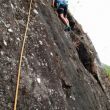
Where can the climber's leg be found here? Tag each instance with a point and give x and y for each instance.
(67, 28)
(62, 13)
(64, 20)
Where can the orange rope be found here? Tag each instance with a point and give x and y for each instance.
(21, 57)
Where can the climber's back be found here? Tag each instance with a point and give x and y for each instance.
(62, 2)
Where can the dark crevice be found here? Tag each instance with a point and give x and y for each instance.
(96, 77)
(84, 55)
(87, 61)
(1, 47)
(66, 87)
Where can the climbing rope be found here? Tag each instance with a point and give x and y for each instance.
(21, 56)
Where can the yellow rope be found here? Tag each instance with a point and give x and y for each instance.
(21, 57)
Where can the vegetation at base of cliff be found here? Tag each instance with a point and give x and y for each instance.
(107, 69)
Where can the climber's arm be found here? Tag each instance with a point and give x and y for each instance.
(53, 3)
(54, 7)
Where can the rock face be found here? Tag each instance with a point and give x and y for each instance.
(60, 70)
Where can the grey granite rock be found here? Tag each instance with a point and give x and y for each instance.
(58, 67)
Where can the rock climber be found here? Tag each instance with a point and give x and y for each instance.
(61, 7)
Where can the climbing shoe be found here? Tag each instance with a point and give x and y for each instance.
(67, 28)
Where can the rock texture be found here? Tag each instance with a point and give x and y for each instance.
(60, 70)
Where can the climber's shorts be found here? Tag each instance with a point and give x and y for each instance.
(62, 10)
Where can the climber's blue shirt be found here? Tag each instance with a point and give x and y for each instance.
(62, 2)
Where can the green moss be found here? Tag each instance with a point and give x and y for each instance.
(107, 69)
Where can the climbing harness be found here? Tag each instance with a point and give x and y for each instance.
(21, 56)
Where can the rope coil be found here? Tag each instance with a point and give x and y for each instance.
(21, 56)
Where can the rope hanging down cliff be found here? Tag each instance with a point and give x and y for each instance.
(21, 56)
